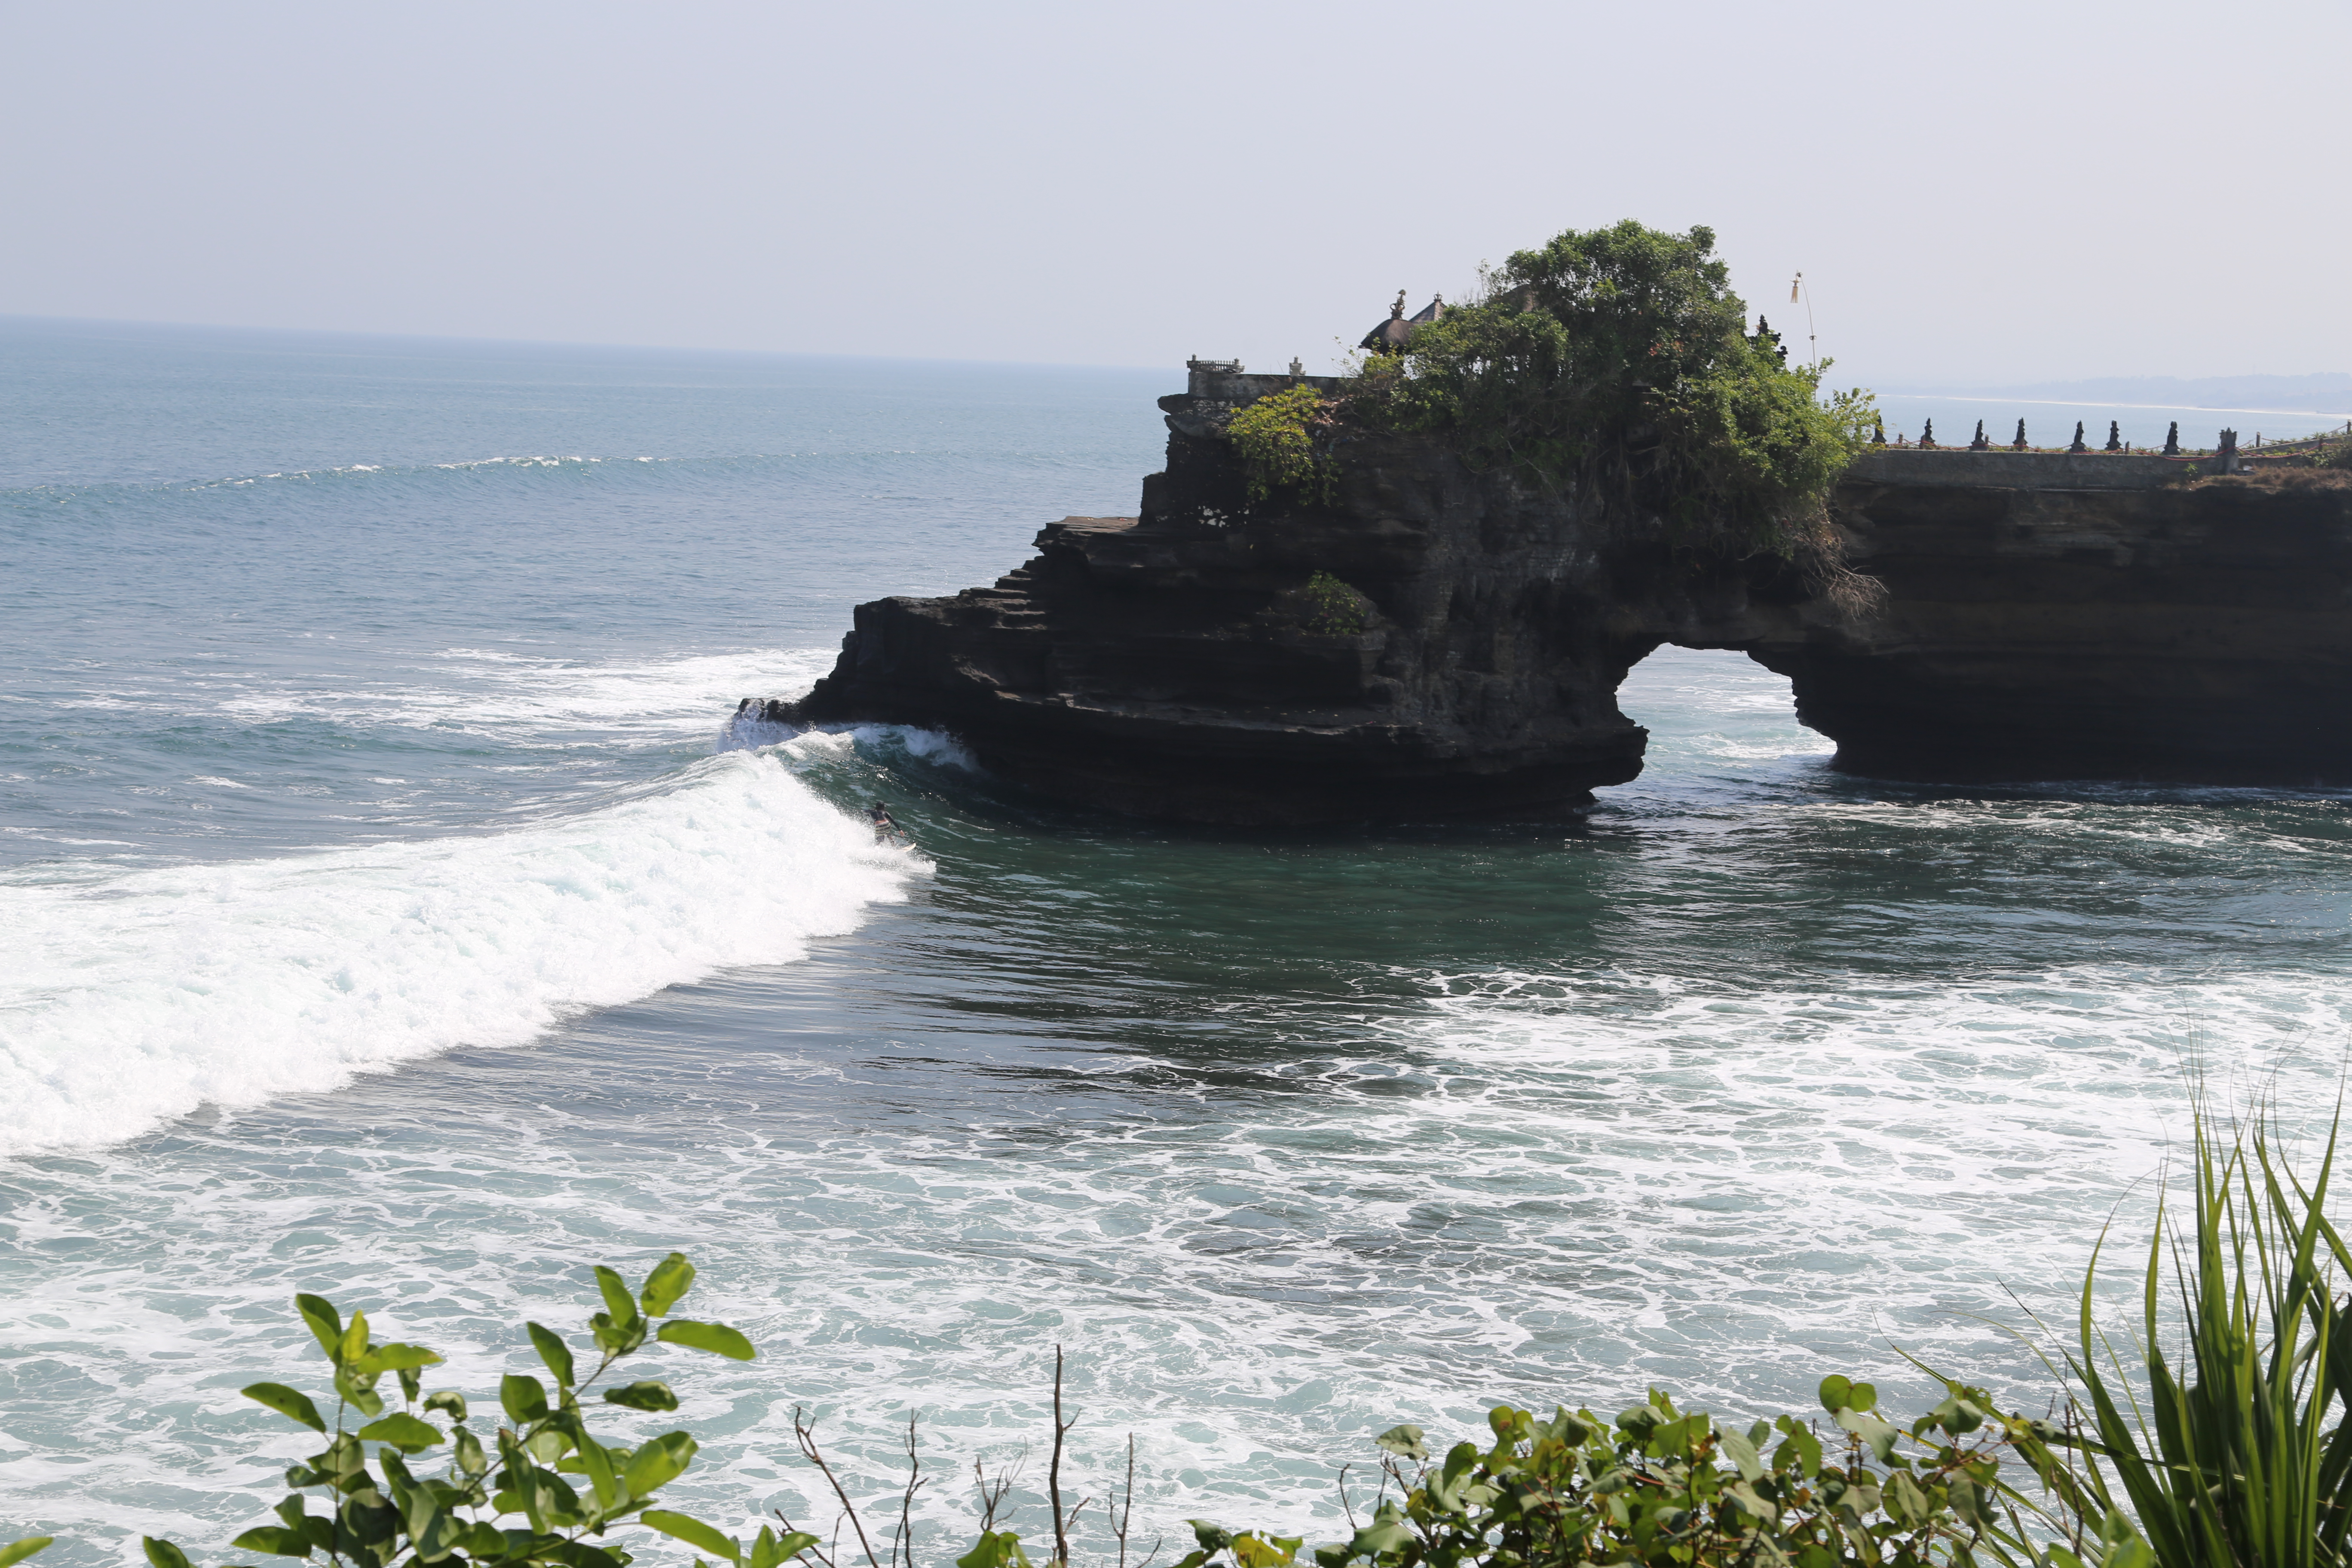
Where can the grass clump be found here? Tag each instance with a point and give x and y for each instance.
(2237, 1453)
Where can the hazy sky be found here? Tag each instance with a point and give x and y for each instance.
(1975, 192)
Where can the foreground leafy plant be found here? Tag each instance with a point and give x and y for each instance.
(1656, 1486)
(375, 1515)
(2241, 1456)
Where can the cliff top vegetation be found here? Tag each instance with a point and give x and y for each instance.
(1613, 362)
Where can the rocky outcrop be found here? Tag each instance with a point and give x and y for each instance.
(2045, 616)
(2087, 617)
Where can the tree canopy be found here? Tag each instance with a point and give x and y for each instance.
(1618, 361)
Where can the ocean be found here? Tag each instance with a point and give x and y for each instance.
(389, 909)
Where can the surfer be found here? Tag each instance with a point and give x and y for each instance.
(885, 830)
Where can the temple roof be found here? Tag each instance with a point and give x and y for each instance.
(1390, 336)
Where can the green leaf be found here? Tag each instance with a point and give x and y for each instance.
(773, 1551)
(1880, 1435)
(666, 1284)
(397, 1358)
(617, 1299)
(650, 1394)
(1743, 1454)
(659, 1462)
(525, 1398)
(995, 1549)
(693, 1532)
(437, 1532)
(405, 1433)
(554, 1353)
(596, 1463)
(162, 1553)
(484, 1540)
(16, 1552)
(716, 1337)
(1860, 1396)
(1835, 1390)
(354, 1342)
(286, 1402)
(355, 1383)
(274, 1538)
(1404, 1441)
(1751, 1503)
(326, 1324)
(1901, 1498)
(447, 1401)
(1800, 1452)
(1386, 1533)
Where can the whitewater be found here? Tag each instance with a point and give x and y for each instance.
(391, 907)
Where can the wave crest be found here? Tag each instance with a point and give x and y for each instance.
(130, 1001)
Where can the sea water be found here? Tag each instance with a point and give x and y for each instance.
(389, 909)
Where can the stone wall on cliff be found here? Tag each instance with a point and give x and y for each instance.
(2094, 624)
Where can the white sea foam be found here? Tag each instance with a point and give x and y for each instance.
(131, 1000)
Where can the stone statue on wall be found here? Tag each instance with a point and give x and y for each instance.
(2115, 436)
(2080, 444)
(1979, 444)
(2172, 440)
(1928, 437)
(2019, 445)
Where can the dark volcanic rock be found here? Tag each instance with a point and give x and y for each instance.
(2046, 617)
(2044, 625)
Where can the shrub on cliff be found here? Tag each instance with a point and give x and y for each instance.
(1617, 362)
(1325, 606)
(1280, 438)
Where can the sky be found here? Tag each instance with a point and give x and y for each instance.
(1975, 194)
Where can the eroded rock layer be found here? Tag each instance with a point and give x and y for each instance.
(2044, 617)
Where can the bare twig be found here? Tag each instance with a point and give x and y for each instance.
(992, 1493)
(1120, 1515)
(1053, 1471)
(1344, 1506)
(804, 1433)
(815, 1554)
(902, 1544)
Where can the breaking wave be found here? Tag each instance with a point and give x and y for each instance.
(128, 1000)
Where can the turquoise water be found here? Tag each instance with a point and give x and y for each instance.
(390, 911)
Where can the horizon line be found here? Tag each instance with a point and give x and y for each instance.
(451, 338)
(418, 337)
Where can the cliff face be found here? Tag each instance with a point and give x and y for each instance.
(2088, 618)
(1170, 665)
